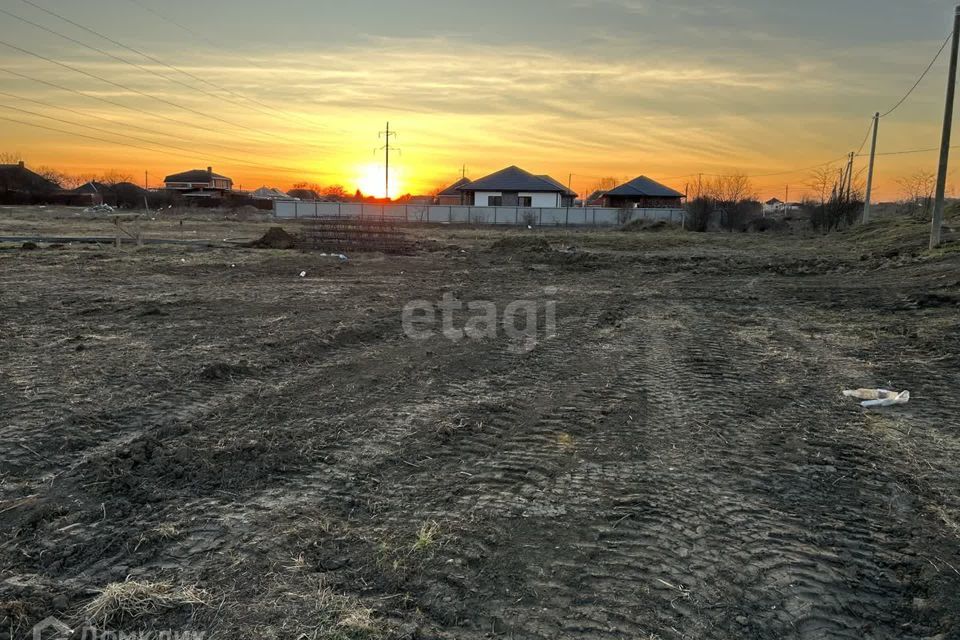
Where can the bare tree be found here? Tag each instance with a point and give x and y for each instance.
(10, 157)
(837, 198)
(59, 178)
(821, 182)
(337, 192)
(917, 191)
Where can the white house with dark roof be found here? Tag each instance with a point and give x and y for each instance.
(514, 187)
(198, 183)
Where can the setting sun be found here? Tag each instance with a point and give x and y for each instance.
(370, 180)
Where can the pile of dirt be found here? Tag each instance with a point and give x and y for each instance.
(29, 246)
(274, 238)
(527, 244)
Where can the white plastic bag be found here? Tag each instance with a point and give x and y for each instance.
(878, 397)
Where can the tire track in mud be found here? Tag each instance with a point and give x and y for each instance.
(679, 534)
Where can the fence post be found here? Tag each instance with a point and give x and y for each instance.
(406, 213)
(450, 214)
(495, 216)
(566, 219)
(540, 217)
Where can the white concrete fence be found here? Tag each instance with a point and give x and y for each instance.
(444, 214)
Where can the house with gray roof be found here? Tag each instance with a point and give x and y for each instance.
(514, 187)
(452, 194)
(198, 183)
(643, 193)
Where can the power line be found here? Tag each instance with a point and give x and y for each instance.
(115, 122)
(130, 137)
(911, 151)
(157, 61)
(195, 34)
(920, 79)
(179, 123)
(866, 137)
(132, 90)
(125, 144)
(112, 56)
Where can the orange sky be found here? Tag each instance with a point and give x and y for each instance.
(592, 104)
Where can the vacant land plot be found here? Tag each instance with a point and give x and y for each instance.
(202, 439)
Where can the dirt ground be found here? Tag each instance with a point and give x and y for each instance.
(676, 462)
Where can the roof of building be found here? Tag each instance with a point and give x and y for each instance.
(454, 189)
(596, 195)
(515, 179)
(195, 175)
(774, 201)
(304, 194)
(269, 193)
(16, 177)
(95, 186)
(644, 186)
(566, 190)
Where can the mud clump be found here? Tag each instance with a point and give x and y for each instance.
(29, 246)
(226, 371)
(274, 238)
(524, 244)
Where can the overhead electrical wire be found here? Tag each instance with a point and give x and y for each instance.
(120, 123)
(91, 96)
(920, 79)
(133, 146)
(193, 33)
(144, 140)
(132, 90)
(273, 112)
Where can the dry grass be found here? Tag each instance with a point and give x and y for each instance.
(133, 599)
(426, 536)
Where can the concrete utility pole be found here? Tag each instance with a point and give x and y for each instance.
(387, 148)
(873, 159)
(937, 225)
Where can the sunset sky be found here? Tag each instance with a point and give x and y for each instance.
(297, 90)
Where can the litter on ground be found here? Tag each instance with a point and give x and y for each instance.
(878, 397)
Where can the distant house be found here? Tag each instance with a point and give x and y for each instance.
(269, 193)
(198, 183)
(596, 199)
(16, 177)
(643, 193)
(514, 187)
(773, 205)
(452, 194)
(303, 194)
(121, 193)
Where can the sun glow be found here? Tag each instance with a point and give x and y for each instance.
(371, 181)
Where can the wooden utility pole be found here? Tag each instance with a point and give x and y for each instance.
(873, 159)
(937, 225)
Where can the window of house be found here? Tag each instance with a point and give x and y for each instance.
(494, 201)
(526, 201)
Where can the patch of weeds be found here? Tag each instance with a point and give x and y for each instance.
(427, 536)
(134, 598)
